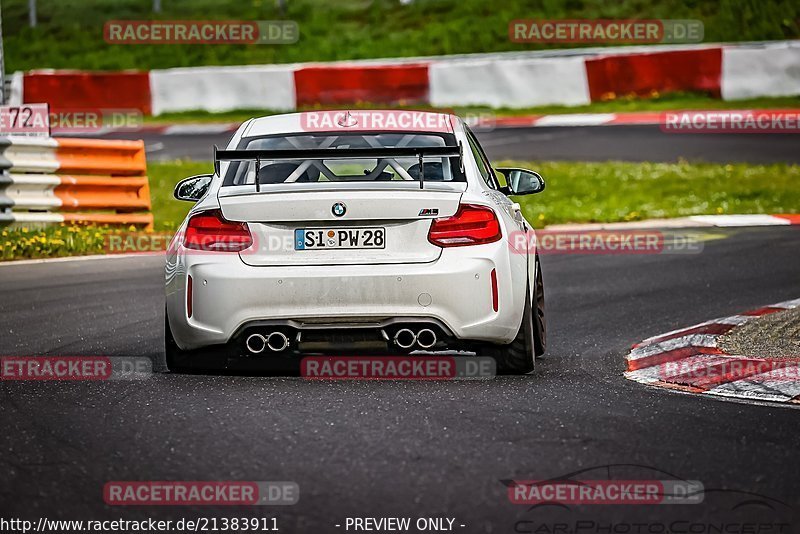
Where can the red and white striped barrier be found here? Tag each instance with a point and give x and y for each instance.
(512, 80)
(691, 360)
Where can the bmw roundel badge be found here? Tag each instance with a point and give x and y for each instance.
(339, 209)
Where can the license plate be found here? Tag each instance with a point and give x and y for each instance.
(339, 238)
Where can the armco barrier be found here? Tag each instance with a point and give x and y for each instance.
(511, 79)
(662, 72)
(509, 82)
(218, 89)
(89, 90)
(73, 180)
(388, 84)
(751, 72)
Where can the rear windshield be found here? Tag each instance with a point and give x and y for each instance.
(441, 169)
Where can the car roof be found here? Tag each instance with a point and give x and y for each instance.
(358, 120)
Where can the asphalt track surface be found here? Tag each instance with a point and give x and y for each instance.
(408, 449)
(590, 143)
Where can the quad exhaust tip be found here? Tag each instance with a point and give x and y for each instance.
(405, 338)
(277, 341)
(256, 343)
(426, 338)
(274, 341)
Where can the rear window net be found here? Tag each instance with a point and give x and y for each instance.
(353, 157)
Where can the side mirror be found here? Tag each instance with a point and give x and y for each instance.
(193, 188)
(521, 181)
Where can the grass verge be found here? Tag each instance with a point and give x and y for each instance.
(576, 192)
(621, 191)
(69, 33)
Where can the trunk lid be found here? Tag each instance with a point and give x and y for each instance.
(295, 224)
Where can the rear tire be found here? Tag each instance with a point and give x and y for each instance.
(518, 357)
(539, 321)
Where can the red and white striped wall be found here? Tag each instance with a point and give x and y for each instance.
(515, 79)
(691, 360)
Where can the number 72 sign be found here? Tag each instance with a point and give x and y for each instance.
(27, 119)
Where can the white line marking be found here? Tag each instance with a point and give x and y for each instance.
(575, 119)
(741, 220)
(198, 129)
(78, 258)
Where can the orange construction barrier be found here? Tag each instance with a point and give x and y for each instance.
(94, 156)
(110, 175)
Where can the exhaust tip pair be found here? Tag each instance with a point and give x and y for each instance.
(405, 338)
(274, 341)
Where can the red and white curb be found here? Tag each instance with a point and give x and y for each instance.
(690, 360)
(210, 128)
(695, 221)
(564, 120)
(648, 118)
(575, 119)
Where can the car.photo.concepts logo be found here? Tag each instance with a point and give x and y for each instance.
(639, 499)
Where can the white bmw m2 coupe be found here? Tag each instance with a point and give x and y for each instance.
(385, 232)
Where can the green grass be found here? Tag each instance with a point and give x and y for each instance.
(167, 211)
(593, 192)
(576, 192)
(617, 191)
(676, 101)
(26, 242)
(70, 32)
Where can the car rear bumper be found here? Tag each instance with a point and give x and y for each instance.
(456, 290)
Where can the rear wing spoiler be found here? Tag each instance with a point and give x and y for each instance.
(340, 153)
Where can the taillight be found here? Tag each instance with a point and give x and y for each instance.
(210, 231)
(471, 225)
